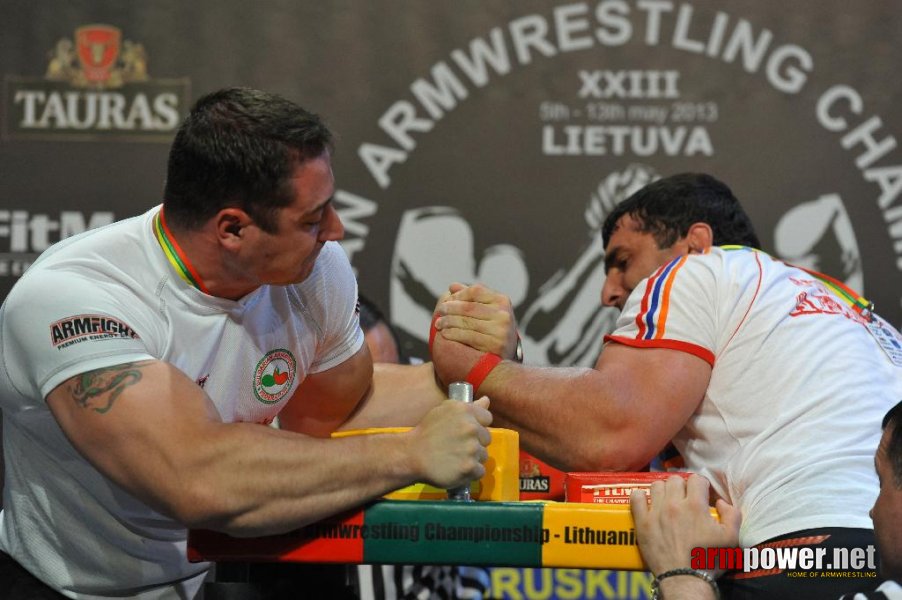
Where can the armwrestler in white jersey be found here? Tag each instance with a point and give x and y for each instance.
(142, 361)
(770, 380)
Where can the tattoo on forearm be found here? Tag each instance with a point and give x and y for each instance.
(94, 388)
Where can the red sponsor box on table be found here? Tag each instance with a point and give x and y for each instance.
(611, 487)
(539, 481)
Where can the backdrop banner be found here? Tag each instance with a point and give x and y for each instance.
(480, 140)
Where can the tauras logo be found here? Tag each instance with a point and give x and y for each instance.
(96, 86)
(42, 110)
(535, 484)
(78, 328)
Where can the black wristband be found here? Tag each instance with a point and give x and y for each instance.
(656, 583)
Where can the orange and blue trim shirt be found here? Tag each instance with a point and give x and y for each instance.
(656, 299)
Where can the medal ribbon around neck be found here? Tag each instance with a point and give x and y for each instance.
(858, 303)
(175, 254)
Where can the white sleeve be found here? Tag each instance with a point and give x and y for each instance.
(675, 308)
(56, 325)
(330, 293)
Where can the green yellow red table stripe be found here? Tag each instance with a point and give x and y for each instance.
(516, 534)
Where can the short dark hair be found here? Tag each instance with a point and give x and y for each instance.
(893, 419)
(238, 147)
(666, 208)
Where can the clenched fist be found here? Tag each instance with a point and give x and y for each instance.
(471, 320)
(448, 446)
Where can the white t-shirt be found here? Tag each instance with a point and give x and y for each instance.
(791, 418)
(110, 296)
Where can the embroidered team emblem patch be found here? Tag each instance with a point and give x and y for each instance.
(274, 375)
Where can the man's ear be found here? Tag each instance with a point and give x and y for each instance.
(700, 237)
(230, 224)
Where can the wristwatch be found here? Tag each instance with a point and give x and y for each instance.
(518, 353)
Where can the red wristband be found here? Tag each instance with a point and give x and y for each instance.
(481, 370)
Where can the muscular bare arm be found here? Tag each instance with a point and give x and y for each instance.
(358, 394)
(151, 430)
(616, 416)
(400, 395)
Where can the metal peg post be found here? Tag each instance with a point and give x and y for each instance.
(463, 392)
